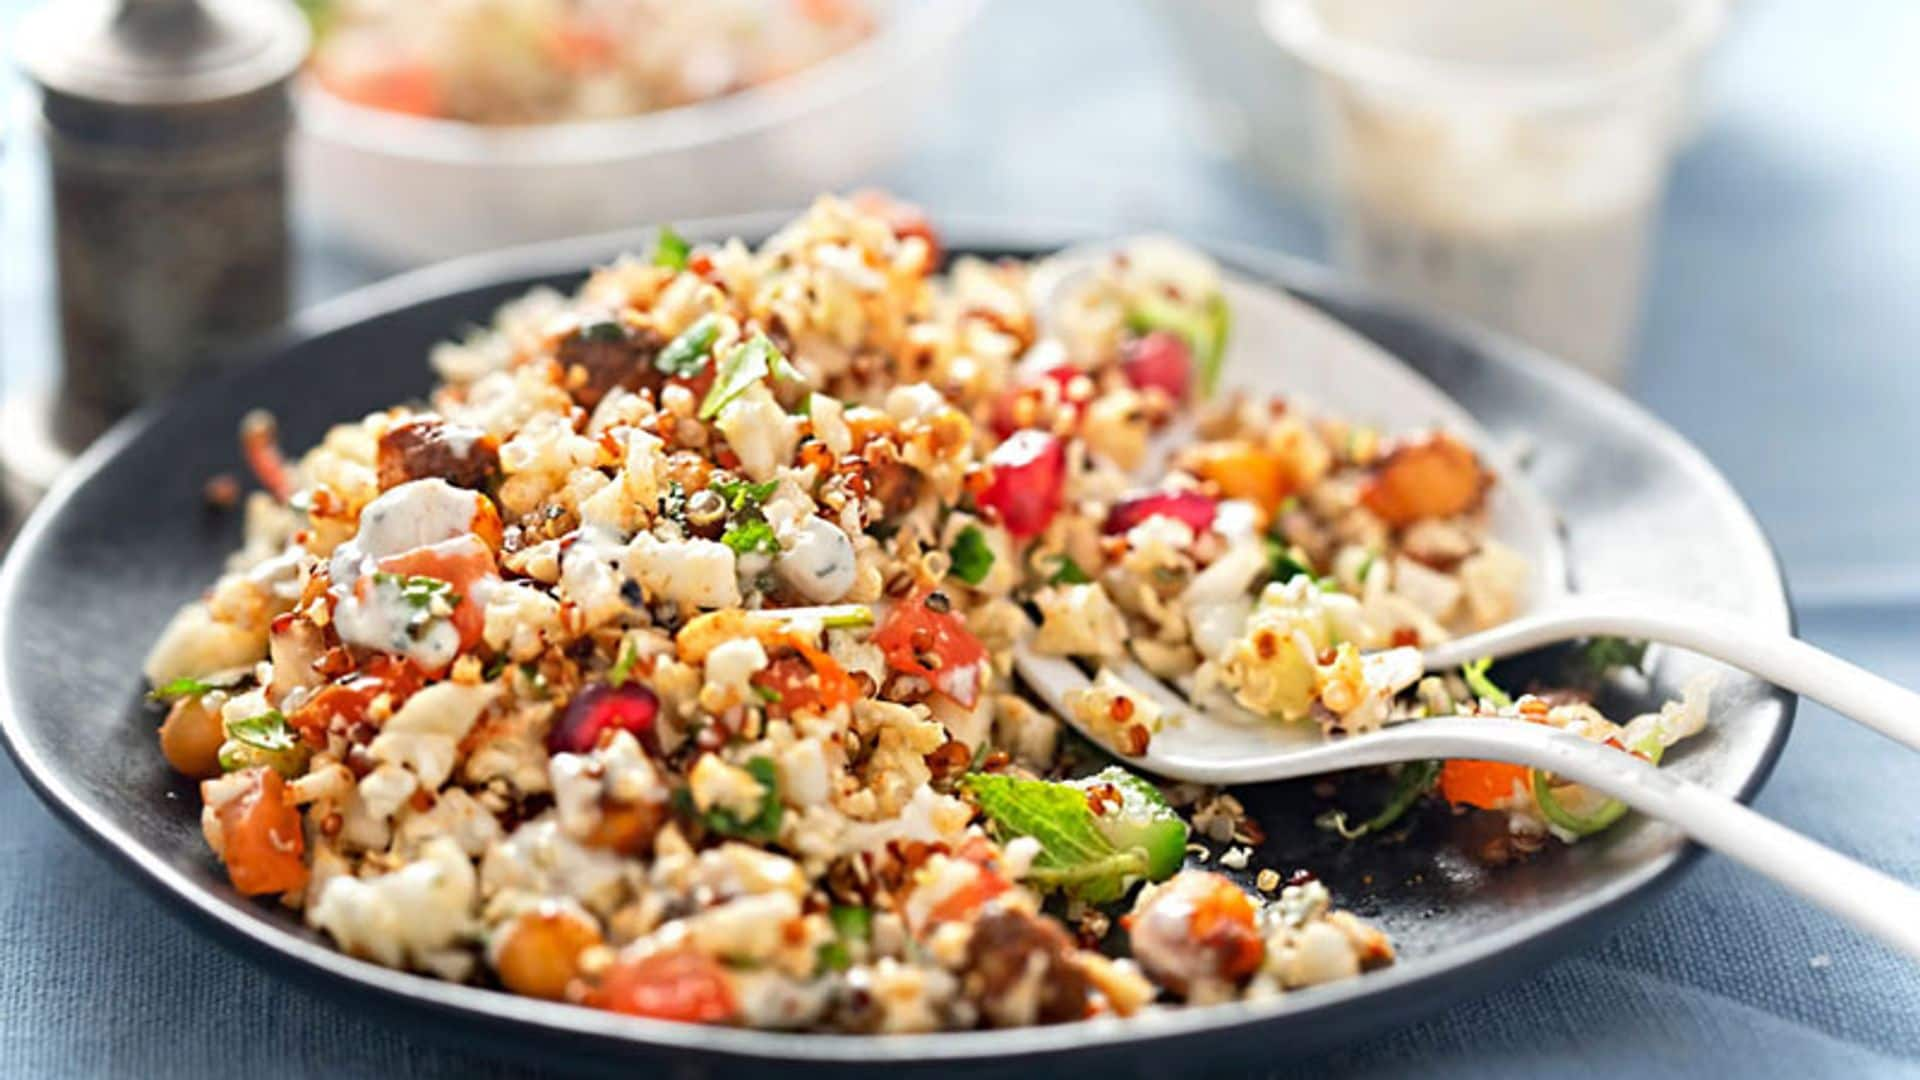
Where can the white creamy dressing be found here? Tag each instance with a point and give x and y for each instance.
(371, 611)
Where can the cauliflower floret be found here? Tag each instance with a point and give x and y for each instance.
(425, 734)
(716, 784)
(195, 645)
(760, 432)
(696, 573)
(415, 916)
(520, 620)
(1079, 620)
(731, 665)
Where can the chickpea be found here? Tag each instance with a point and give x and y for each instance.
(191, 737)
(538, 952)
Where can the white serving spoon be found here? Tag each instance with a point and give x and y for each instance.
(1217, 742)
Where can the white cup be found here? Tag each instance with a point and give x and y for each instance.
(1502, 159)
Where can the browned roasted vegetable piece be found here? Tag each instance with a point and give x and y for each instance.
(423, 446)
(598, 356)
(1017, 961)
(1432, 477)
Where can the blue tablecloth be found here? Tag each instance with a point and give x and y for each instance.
(1776, 338)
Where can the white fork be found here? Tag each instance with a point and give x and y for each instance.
(1223, 744)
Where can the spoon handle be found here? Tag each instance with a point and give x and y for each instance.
(1781, 659)
(1868, 898)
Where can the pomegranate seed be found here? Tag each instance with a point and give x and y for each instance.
(1189, 506)
(599, 708)
(1159, 360)
(1029, 480)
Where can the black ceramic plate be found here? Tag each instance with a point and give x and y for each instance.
(124, 540)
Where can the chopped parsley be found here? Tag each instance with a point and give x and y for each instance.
(972, 557)
(743, 495)
(1069, 573)
(429, 597)
(750, 536)
(768, 694)
(670, 249)
(686, 354)
(764, 826)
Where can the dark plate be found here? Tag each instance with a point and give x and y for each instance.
(124, 540)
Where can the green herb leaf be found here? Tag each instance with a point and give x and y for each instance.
(1483, 687)
(622, 669)
(851, 922)
(1075, 854)
(1416, 777)
(751, 536)
(768, 694)
(832, 956)
(1602, 654)
(972, 557)
(764, 826)
(424, 595)
(184, 686)
(1139, 820)
(686, 355)
(1069, 573)
(1286, 562)
(267, 731)
(749, 362)
(605, 331)
(670, 249)
(742, 495)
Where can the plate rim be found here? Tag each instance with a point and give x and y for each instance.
(1393, 994)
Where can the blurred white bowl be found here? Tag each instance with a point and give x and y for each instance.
(406, 189)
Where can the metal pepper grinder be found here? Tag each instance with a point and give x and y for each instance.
(166, 126)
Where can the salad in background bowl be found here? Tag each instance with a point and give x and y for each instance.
(433, 130)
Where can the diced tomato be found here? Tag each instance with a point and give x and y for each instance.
(809, 681)
(463, 563)
(935, 645)
(598, 709)
(348, 698)
(1485, 784)
(677, 984)
(1029, 481)
(1159, 361)
(1195, 509)
(408, 88)
(262, 842)
(963, 903)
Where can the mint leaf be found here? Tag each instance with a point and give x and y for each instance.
(1603, 654)
(1134, 815)
(686, 354)
(972, 557)
(1075, 855)
(670, 249)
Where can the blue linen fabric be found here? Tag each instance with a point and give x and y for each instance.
(1778, 322)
